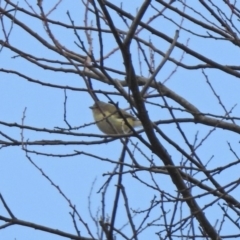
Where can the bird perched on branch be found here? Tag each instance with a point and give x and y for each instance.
(113, 120)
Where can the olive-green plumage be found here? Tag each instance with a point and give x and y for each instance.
(110, 121)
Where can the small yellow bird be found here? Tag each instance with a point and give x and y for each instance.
(111, 120)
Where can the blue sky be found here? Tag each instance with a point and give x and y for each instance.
(29, 194)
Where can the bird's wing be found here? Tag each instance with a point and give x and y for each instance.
(116, 111)
(126, 114)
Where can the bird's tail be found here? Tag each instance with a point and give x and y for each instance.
(137, 123)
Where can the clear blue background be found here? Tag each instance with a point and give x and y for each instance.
(29, 195)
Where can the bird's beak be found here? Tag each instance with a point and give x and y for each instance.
(91, 107)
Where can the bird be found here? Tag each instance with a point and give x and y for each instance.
(113, 120)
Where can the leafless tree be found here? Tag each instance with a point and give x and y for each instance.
(176, 65)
